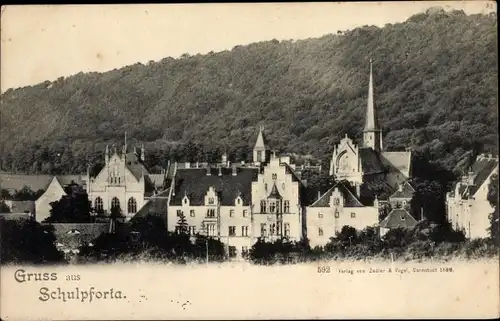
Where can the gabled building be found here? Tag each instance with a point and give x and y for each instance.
(369, 162)
(397, 218)
(336, 208)
(123, 183)
(403, 195)
(467, 204)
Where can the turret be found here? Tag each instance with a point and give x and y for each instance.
(260, 150)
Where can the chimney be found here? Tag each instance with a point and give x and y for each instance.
(208, 170)
(197, 164)
(220, 170)
(400, 187)
(470, 178)
(235, 170)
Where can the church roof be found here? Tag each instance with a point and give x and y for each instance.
(398, 160)
(372, 187)
(135, 165)
(398, 218)
(371, 162)
(72, 235)
(350, 200)
(195, 182)
(274, 193)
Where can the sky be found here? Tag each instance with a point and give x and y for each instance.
(45, 42)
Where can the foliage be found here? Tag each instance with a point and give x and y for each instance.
(494, 217)
(4, 208)
(182, 225)
(24, 194)
(27, 242)
(281, 250)
(74, 207)
(147, 237)
(436, 92)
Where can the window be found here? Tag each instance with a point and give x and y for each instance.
(336, 201)
(287, 207)
(283, 186)
(211, 212)
(191, 213)
(179, 213)
(231, 213)
(232, 251)
(244, 231)
(275, 176)
(272, 228)
(211, 200)
(353, 215)
(320, 215)
(263, 229)
(132, 205)
(272, 207)
(287, 229)
(211, 229)
(115, 203)
(337, 214)
(262, 206)
(259, 156)
(245, 213)
(320, 231)
(265, 187)
(192, 230)
(232, 231)
(185, 200)
(98, 205)
(402, 217)
(238, 201)
(119, 179)
(244, 251)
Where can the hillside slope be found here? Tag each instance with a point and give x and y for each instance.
(435, 85)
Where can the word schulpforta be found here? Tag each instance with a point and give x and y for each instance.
(81, 295)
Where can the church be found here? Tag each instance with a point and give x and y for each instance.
(124, 183)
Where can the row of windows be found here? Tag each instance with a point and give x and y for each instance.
(337, 215)
(232, 231)
(211, 213)
(232, 251)
(283, 185)
(114, 180)
(115, 203)
(274, 206)
(274, 229)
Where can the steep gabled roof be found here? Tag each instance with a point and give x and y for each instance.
(398, 218)
(135, 165)
(481, 169)
(156, 205)
(35, 182)
(350, 200)
(195, 183)
(261, 141)
(406, 191)
(371, 162)
(400, 161)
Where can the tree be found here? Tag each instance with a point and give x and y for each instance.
(4, 208)
(182, 225)
(27, 242)
(494, 217)
(74, 207)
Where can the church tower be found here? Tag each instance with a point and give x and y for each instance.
(260, 150)
(372, 134)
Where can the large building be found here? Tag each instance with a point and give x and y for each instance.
(467, 204)
(369, 163)
(124, 183)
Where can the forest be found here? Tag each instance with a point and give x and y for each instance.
(435, 81)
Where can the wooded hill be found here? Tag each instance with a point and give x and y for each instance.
(435, 87)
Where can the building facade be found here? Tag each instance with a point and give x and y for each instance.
(467, 204)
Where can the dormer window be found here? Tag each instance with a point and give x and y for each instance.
(402, 217)
(211, 200)
(336, 201)
(275, 176)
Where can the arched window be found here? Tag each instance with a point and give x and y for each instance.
(115, 203)
(98, 205)
(132, 205)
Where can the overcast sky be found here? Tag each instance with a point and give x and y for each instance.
(41, 43)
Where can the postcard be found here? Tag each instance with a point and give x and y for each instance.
(249, 161)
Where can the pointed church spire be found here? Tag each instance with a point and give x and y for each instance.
(371, 121)
(260, 139)
(372, 135)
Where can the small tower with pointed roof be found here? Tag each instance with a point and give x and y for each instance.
(260, 149)
(372, 134)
